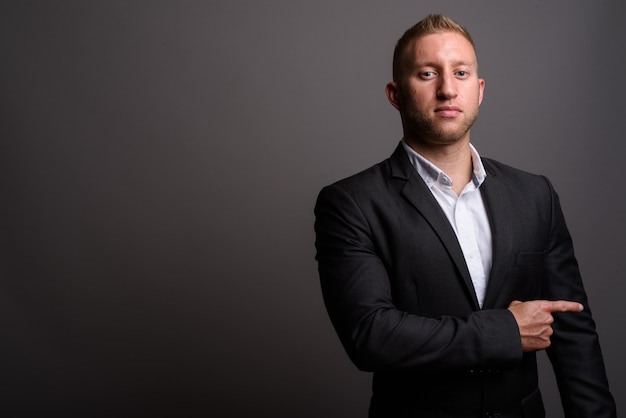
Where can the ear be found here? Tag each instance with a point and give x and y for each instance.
(481, 89)
(393, 94)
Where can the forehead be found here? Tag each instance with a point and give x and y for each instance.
(440, 47)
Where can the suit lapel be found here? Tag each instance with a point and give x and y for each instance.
(495, 193)
(417, 193)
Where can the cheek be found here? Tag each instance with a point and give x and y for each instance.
(415, 98)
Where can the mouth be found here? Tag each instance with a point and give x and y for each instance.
(448, 111)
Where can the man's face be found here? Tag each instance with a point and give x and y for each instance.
(439, 92)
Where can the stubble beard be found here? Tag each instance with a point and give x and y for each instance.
(427, 128)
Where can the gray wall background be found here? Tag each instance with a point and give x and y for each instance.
(159, 163)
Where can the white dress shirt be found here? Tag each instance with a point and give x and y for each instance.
(465, 212)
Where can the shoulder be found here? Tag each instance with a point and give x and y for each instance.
(365, 178)
(387, 175)
(498, 169)
(363, 189)
(371, 180)
(495, 167)
(516, 180)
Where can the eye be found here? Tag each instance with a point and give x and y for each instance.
(462, 73)
(428, 74)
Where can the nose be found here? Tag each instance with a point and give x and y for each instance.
(446, 88)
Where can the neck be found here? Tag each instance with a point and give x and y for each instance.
(453, 159)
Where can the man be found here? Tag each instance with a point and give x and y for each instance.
(444, 273)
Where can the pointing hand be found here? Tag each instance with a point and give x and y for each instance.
(534, 319)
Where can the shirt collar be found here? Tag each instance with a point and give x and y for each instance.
(432, 174)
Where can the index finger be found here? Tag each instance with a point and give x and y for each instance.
(565, 306)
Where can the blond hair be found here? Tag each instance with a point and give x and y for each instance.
(433, 23)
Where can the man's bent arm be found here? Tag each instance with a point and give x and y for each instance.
(376, 335)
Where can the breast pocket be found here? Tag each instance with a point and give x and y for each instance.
(529, 274)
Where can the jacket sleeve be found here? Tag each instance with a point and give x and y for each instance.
(575, 351)
(376, 335)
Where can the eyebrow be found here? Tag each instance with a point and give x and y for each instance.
(454, 64)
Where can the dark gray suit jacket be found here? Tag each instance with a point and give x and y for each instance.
(400, 297)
